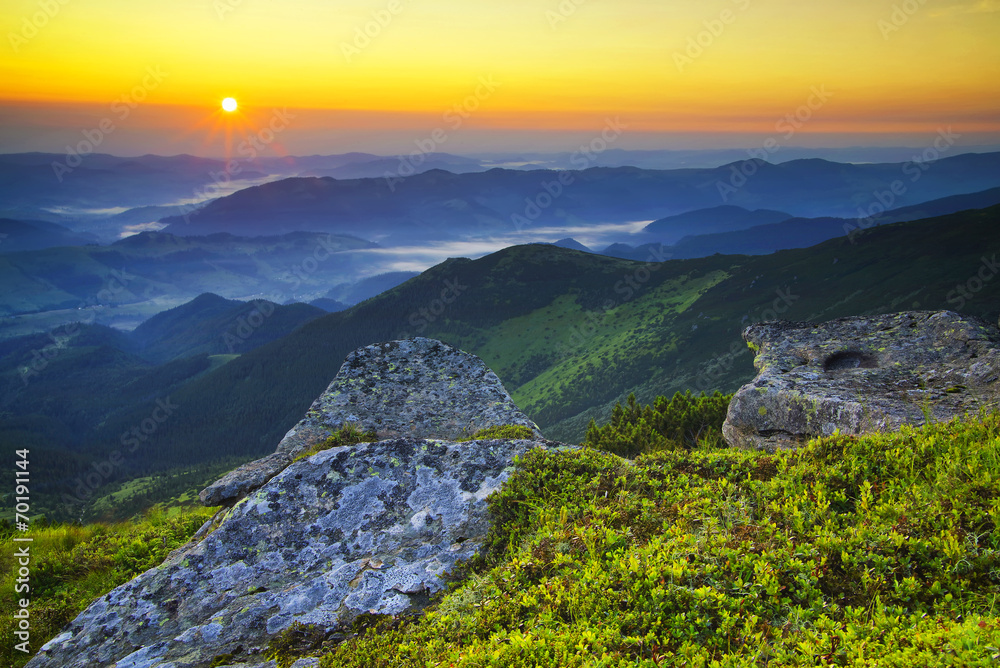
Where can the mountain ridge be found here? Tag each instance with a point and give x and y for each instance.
(436, 201)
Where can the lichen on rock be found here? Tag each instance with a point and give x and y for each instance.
(414, 388)
(863, 374)
(371, 528)
(355, 529)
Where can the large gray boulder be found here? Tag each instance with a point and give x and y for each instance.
(861, 375)
(356, 529)
(414, 388)
(369, 528)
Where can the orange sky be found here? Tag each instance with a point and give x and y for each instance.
(377, 74)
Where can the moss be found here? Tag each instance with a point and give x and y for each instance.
(506, 432)
(349, 434)
(296, 641)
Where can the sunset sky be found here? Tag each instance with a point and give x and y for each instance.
(510, 75)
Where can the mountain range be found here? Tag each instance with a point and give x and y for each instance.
(569, 333)
(22, 235)
(131, 280)
(126, 282)
(440, 205)
(737, 232)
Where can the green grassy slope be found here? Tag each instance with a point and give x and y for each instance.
(851, 551)
(71, 566)
(878, 550)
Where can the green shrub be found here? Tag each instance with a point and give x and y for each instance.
(683, 421)
(349, 434)
(507, 431)
(879, 550)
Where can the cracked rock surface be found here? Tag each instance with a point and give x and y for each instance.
(355, 529)
(861, 375)
(415, 388)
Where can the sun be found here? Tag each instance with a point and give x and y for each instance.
(229, 104)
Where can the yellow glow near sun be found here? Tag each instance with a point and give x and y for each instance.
(683, 66)
(229, 104)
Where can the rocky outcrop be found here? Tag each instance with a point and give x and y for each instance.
(863, 374)
(370, 528)
(415, 388)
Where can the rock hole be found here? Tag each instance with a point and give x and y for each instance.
(849, 359)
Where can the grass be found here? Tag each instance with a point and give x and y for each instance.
(73, 565)
(878, 550)
(506, 431)
(851, 551)
(582, 344)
